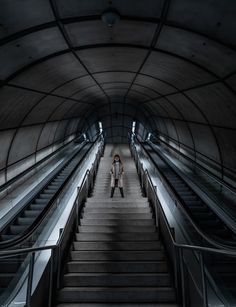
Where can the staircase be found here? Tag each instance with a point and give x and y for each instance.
(117, 258)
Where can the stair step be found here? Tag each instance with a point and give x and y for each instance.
(153, 236)
(116, 204)
(122, 294)
(116, 280)
(94, 200)
(114, 229)
(102, 246)
(123, 210)
(116, 222)
(122, 216)
(117, 255)
(116, 305)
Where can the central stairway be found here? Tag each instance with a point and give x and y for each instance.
(117, 258)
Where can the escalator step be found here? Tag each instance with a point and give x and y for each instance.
(7, 237)
(198, 209)
(223, 233)
(45, 196)
(5, 278)
(50, 191)
(203, 215)
(9, 265)
(37, 207)
(31, 213)
(55, 185)
(17, 229)
(41, 201)
(25, 220)
(215, 223)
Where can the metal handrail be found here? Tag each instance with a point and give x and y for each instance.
(177, 199)
(54, 248)
(181, 247)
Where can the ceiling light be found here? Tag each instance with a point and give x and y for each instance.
(110, 17)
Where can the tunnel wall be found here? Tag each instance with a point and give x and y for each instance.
(23, 147)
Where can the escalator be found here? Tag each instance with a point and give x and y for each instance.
(210, 224)
(29, 216)
(20, 230)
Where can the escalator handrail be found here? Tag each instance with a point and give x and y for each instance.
(43, 214)
(202, 168)
(175, 197)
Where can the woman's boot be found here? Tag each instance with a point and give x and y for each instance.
(122, 192)
(112, 192)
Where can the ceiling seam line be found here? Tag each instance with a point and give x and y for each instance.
(154, 40)
(67, 39)
(47, 93)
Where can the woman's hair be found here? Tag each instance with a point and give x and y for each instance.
(115, 157)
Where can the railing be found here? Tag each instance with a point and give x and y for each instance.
(182, 256)
(57, 251)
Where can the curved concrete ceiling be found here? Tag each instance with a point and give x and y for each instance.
(168, 64)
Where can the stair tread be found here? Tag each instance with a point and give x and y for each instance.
(118, 274)
(116, 305)
(117, 289)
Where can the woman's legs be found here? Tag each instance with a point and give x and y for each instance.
(122, 192)
(112, 191)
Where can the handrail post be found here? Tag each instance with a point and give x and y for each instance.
(77, 206)
(204, 285)
(30, 280)
(50, 296)
(59, 260)
(157, 208)
(182, 276)
(177, 277)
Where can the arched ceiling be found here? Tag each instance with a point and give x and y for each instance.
(169, 64)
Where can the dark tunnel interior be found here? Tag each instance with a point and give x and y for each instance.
(168, 65)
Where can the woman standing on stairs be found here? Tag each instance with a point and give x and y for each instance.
(117, 172)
